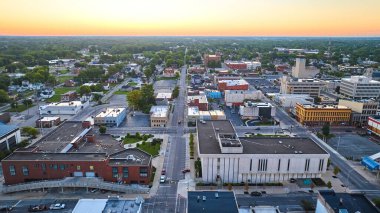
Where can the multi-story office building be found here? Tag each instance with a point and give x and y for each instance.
(300, 70)
(361, 110)
(360, 87)
(228, 159)
(111, 116)
(310, 114)
(301, 86)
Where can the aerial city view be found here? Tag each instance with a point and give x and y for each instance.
(163, 106)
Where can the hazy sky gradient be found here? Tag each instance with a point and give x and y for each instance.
(191, 17)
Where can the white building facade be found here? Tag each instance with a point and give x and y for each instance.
(111, 116)
(237, 97)
(360, 87)
(63, 108)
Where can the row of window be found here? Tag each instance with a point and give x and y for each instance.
(115, 172)
(25, 169)
(263, 165)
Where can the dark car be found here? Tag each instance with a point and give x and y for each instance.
(37, 208)
(256, 194)
(163, 172)
(292, 180)
(348, 130)
(257, 128)
(185, 170)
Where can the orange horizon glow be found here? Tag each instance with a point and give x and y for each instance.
(190, 18)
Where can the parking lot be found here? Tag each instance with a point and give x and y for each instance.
(21, 206)
(264, 85)
(137, 119)
(233, 116)
(353, 145)
(164, 85)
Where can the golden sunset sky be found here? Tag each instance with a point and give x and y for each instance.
(191, 17)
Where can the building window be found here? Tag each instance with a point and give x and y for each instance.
(263, 165)
(143, 172)
(288, 164)
(12, 170)
(250, 166)
(43, 166)
(78, 167)
(25, 171)
(125, 172)
(55, 166)
(62, 166)
(321, 162)
(114, 172)
(279, 165)
(307, 165)
(92, 168)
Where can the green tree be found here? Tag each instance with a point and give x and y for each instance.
(102, 129)
(229, 187)
(326, 129)
(148, 72)
(30, 131)
(84, 90)
(336, 170)
(27, 102)
(5, 81)
(307, 205)
(147, 98)
(329, 185)
(134, 98)
(175, 92)
(376, 201)
(177, 75)
(4, 98)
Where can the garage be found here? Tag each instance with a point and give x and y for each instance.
(90, 174)
(78, 174)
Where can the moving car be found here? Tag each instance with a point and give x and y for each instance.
(37, 208)
(57, 206)
(185, 170)
(163, 172)
(162, 179)
(256, 194)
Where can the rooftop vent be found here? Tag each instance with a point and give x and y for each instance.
(204, 198)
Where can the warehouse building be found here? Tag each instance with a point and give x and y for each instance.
(63, 108)
(111, 116)
(226, 158)
(9, 136)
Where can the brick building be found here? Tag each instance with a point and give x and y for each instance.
(69, 96)
(198, 100)
(233, 85)
(75, 150)
(48, 122)
(211, 58)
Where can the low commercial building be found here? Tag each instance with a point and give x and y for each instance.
(199, 101)
(163, 98)
(63, 108)
(252, 110)
(335, 202)
(301, 86)
(75, 150)
(48, 122)
(374, 125)
(240, 84)
(159, 116)
(9, 136)
(214, 94)
(225, 158)
(111, 116)
(360, 87)
(290, 100)
(194, 114)
(237, 97)
(211, 202)
(310, 114)
(196, 70)
(361, 110)
(169, 72)
(216, 59)
(69, 96)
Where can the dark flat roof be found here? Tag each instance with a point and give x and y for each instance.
(208, 143)
(103, 143)
(130, 157)
(351, 202)
(34, 156)
(225, 203)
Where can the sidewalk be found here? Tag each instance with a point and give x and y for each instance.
(158, 163)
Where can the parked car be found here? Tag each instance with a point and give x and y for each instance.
(163, 172)
(94, 190)
(162, 179)
(37, 208)
(185, 170)
(292, 180)
(257, 128)
(57, 206)
(256, 194)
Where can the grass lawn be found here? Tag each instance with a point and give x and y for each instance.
(166, 78)
(264, 123)
(132, 84)
(59, 91)
(62, 79)
(20, 108)
(131, 140)
(121, 92)
(149, 148)
(63, 71)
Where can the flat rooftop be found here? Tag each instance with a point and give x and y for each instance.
(313, 106)
(201, 98)
(57, 140)
(208, 142)
(159, 111)
(215, 201)
(40, 156)
(129, 157)
(47, 119)
(103, 144)
(110, 112)
(350, 202)
(63, 104)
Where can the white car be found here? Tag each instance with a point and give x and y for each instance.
(162, 179)
(57, 206)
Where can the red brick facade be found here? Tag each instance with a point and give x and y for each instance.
(222, 86)
(201, 106)
(237, 66)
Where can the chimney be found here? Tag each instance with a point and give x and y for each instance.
(90, 138)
